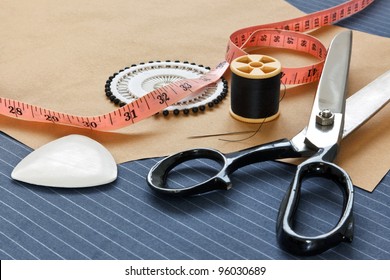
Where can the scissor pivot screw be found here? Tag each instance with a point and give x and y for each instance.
(325, 117)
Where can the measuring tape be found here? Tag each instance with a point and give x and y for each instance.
(286, 34)
(135, 81)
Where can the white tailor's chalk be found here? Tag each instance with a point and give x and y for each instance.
(72, 161)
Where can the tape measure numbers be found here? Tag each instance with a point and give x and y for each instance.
(133, 82)
(284, 34)
(146, 106)
(287, 35)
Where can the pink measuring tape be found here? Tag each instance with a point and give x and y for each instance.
(286, 35)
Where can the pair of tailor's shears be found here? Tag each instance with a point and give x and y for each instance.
(319, 141)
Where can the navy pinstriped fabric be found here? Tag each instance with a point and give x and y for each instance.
(126, 220)
(374, 19)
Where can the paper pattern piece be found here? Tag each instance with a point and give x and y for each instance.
(59, 55)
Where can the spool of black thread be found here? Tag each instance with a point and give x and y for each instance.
(255, 88)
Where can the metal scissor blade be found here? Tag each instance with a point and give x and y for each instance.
(360, 107)
(365, 103)
(327, 117)
(331, 91)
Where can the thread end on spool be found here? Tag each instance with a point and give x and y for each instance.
(250, 120)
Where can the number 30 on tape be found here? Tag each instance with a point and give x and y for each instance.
(286, 35)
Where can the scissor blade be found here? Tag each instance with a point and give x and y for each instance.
(331, 91)
(365, 103)
(360, 107)
(331, 94)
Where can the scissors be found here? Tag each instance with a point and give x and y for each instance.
(319, 141)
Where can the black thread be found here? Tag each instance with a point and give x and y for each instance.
(255, 98)
(260, 125)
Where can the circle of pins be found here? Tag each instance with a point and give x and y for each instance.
(118, 86)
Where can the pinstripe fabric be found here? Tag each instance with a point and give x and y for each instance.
(126, 220)
(374, 19)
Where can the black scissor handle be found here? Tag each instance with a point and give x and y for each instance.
(299, 244)
(157, 177)
(158, 174)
